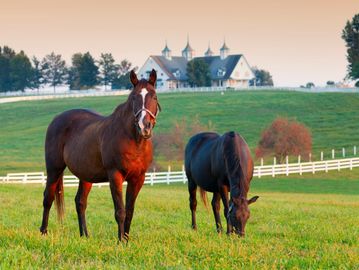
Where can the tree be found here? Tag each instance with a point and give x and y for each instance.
(108, 68)
(309, 85)
(37, 78)
(262, 77)
(54, 69)
(125, 67)
(5, 81)
(350, 35)
(283, 138)
(122, 80)
(21, 72)
(198, 73)
(15, 70)
(83, 73)
(330, 83)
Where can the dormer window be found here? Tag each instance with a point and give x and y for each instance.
(177, 73)
(221, 72)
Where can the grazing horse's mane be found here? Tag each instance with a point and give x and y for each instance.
(232, 156)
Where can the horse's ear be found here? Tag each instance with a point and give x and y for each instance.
(153, 77)
(133, 78)
(253, 199)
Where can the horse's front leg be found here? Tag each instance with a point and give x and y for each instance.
(225, 200)
(133, 188)
(116, 180)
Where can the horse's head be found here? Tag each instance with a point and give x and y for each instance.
(239, 213)
(144, 103)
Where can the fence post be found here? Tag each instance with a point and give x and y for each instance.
(321, 156)
(43, 179)
(300, 165)
(351, 164)
(152, 176)
(183, 174)
(24, 180)
(313, 168)
(262, 161)
(338, 163)
(333, 154)
(168, 174)
(310, 157)
(355, 150)
(287, 169)
(326, 166)
(343, 152)
(273, 167)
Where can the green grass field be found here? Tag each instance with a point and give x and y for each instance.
(297, 223)
(332, 118)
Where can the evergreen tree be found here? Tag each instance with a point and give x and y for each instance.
(54, 69)
(6, 54)
(108, 69)
(21, 72)
(350, 35)
(198, 73)
(83, 73)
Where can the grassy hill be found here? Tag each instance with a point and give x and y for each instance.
(332, 118)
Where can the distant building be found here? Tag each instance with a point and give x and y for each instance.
(225, 69)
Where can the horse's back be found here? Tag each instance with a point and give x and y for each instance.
(198, 160)
(64, 130)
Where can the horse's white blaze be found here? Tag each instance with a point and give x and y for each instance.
(143, 113)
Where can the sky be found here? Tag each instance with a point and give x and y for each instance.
(297, 41)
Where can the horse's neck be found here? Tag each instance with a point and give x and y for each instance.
(238, 189)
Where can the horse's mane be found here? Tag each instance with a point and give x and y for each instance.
(236, 169)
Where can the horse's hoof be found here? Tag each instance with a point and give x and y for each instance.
(194, 228)
(43, 231)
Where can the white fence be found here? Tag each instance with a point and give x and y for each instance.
(180, 176)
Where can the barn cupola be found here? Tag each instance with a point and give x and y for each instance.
(188, 52)
(209, 52)
(224, 51)
(166, 52)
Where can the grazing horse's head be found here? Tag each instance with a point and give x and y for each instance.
(239, 213)
(144, 103)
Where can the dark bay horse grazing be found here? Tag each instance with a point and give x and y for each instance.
(97, 149)
(220, 164)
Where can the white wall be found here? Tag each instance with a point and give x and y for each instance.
(242, 71)
(162, 77)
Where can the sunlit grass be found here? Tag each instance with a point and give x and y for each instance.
(288, 228)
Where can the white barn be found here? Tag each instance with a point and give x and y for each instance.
(225, 70)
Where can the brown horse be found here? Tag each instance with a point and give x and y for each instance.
(97, 149)
(220, 164)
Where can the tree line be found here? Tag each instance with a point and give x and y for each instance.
(18, 71)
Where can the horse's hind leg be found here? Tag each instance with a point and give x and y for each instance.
(54, 178)
(216, 207)
(192, 189)
(81, 204)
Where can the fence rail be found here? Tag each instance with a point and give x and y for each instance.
(180, 176)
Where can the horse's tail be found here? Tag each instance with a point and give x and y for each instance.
(59, 199)
(204, 197)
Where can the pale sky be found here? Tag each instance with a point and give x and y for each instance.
(296, 40)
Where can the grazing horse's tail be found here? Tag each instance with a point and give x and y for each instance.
(204, 197)
(59, 199)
